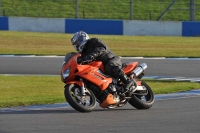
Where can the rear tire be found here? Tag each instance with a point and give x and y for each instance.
(143, 102)
(80, 103)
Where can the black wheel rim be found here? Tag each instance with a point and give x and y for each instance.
(84, 100)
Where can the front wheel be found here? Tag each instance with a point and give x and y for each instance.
(82, 103)
(142, 100)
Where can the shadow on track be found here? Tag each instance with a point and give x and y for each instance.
(56, 111)
(60, 111)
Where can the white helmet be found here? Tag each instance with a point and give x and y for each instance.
(79, 40)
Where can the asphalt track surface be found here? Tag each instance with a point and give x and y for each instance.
(51, 65)
(166, 116)
(171, 115)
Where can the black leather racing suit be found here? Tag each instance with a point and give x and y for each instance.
(100, 52)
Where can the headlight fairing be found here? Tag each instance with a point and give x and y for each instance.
(66, 73)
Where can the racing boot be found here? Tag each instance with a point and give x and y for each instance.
(128, 83)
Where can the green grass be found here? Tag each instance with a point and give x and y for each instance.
(36, 90)
(29, 90)
(99, 9)
(164, 86)
(59, 44)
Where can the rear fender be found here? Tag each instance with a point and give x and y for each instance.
(139, 82)
(130, 67)
(139, 86)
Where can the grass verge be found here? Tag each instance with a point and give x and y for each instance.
(30, 90)
(137, 46)
(35, 90)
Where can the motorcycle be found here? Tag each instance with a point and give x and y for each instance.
(86, 83)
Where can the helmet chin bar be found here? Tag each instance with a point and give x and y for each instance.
(76, 48)
(81, 47)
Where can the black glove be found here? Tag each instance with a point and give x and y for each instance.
(88, 58)
(79, 60)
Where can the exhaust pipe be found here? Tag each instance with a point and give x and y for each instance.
(139, 69)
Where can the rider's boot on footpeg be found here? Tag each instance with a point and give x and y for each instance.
(128, 83)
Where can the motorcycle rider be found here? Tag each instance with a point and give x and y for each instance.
(94, 49)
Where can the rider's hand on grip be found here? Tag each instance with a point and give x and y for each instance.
(79, 60)
(88, 59)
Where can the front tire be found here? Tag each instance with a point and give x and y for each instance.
(143, 101)
(79, 102)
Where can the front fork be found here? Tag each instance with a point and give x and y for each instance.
(79, 83)
(82, 87)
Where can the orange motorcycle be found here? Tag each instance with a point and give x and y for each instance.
(87, 83)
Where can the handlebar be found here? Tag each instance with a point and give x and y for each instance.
(87, 61)
(80, 61)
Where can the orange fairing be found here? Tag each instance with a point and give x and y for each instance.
(98, 64)
(130, 67)
(109, 101)
(72, 64)
(89, 72)
(93, 75)
(79, 83)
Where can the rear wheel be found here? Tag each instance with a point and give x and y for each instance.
(82, 103)
(143, 100)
